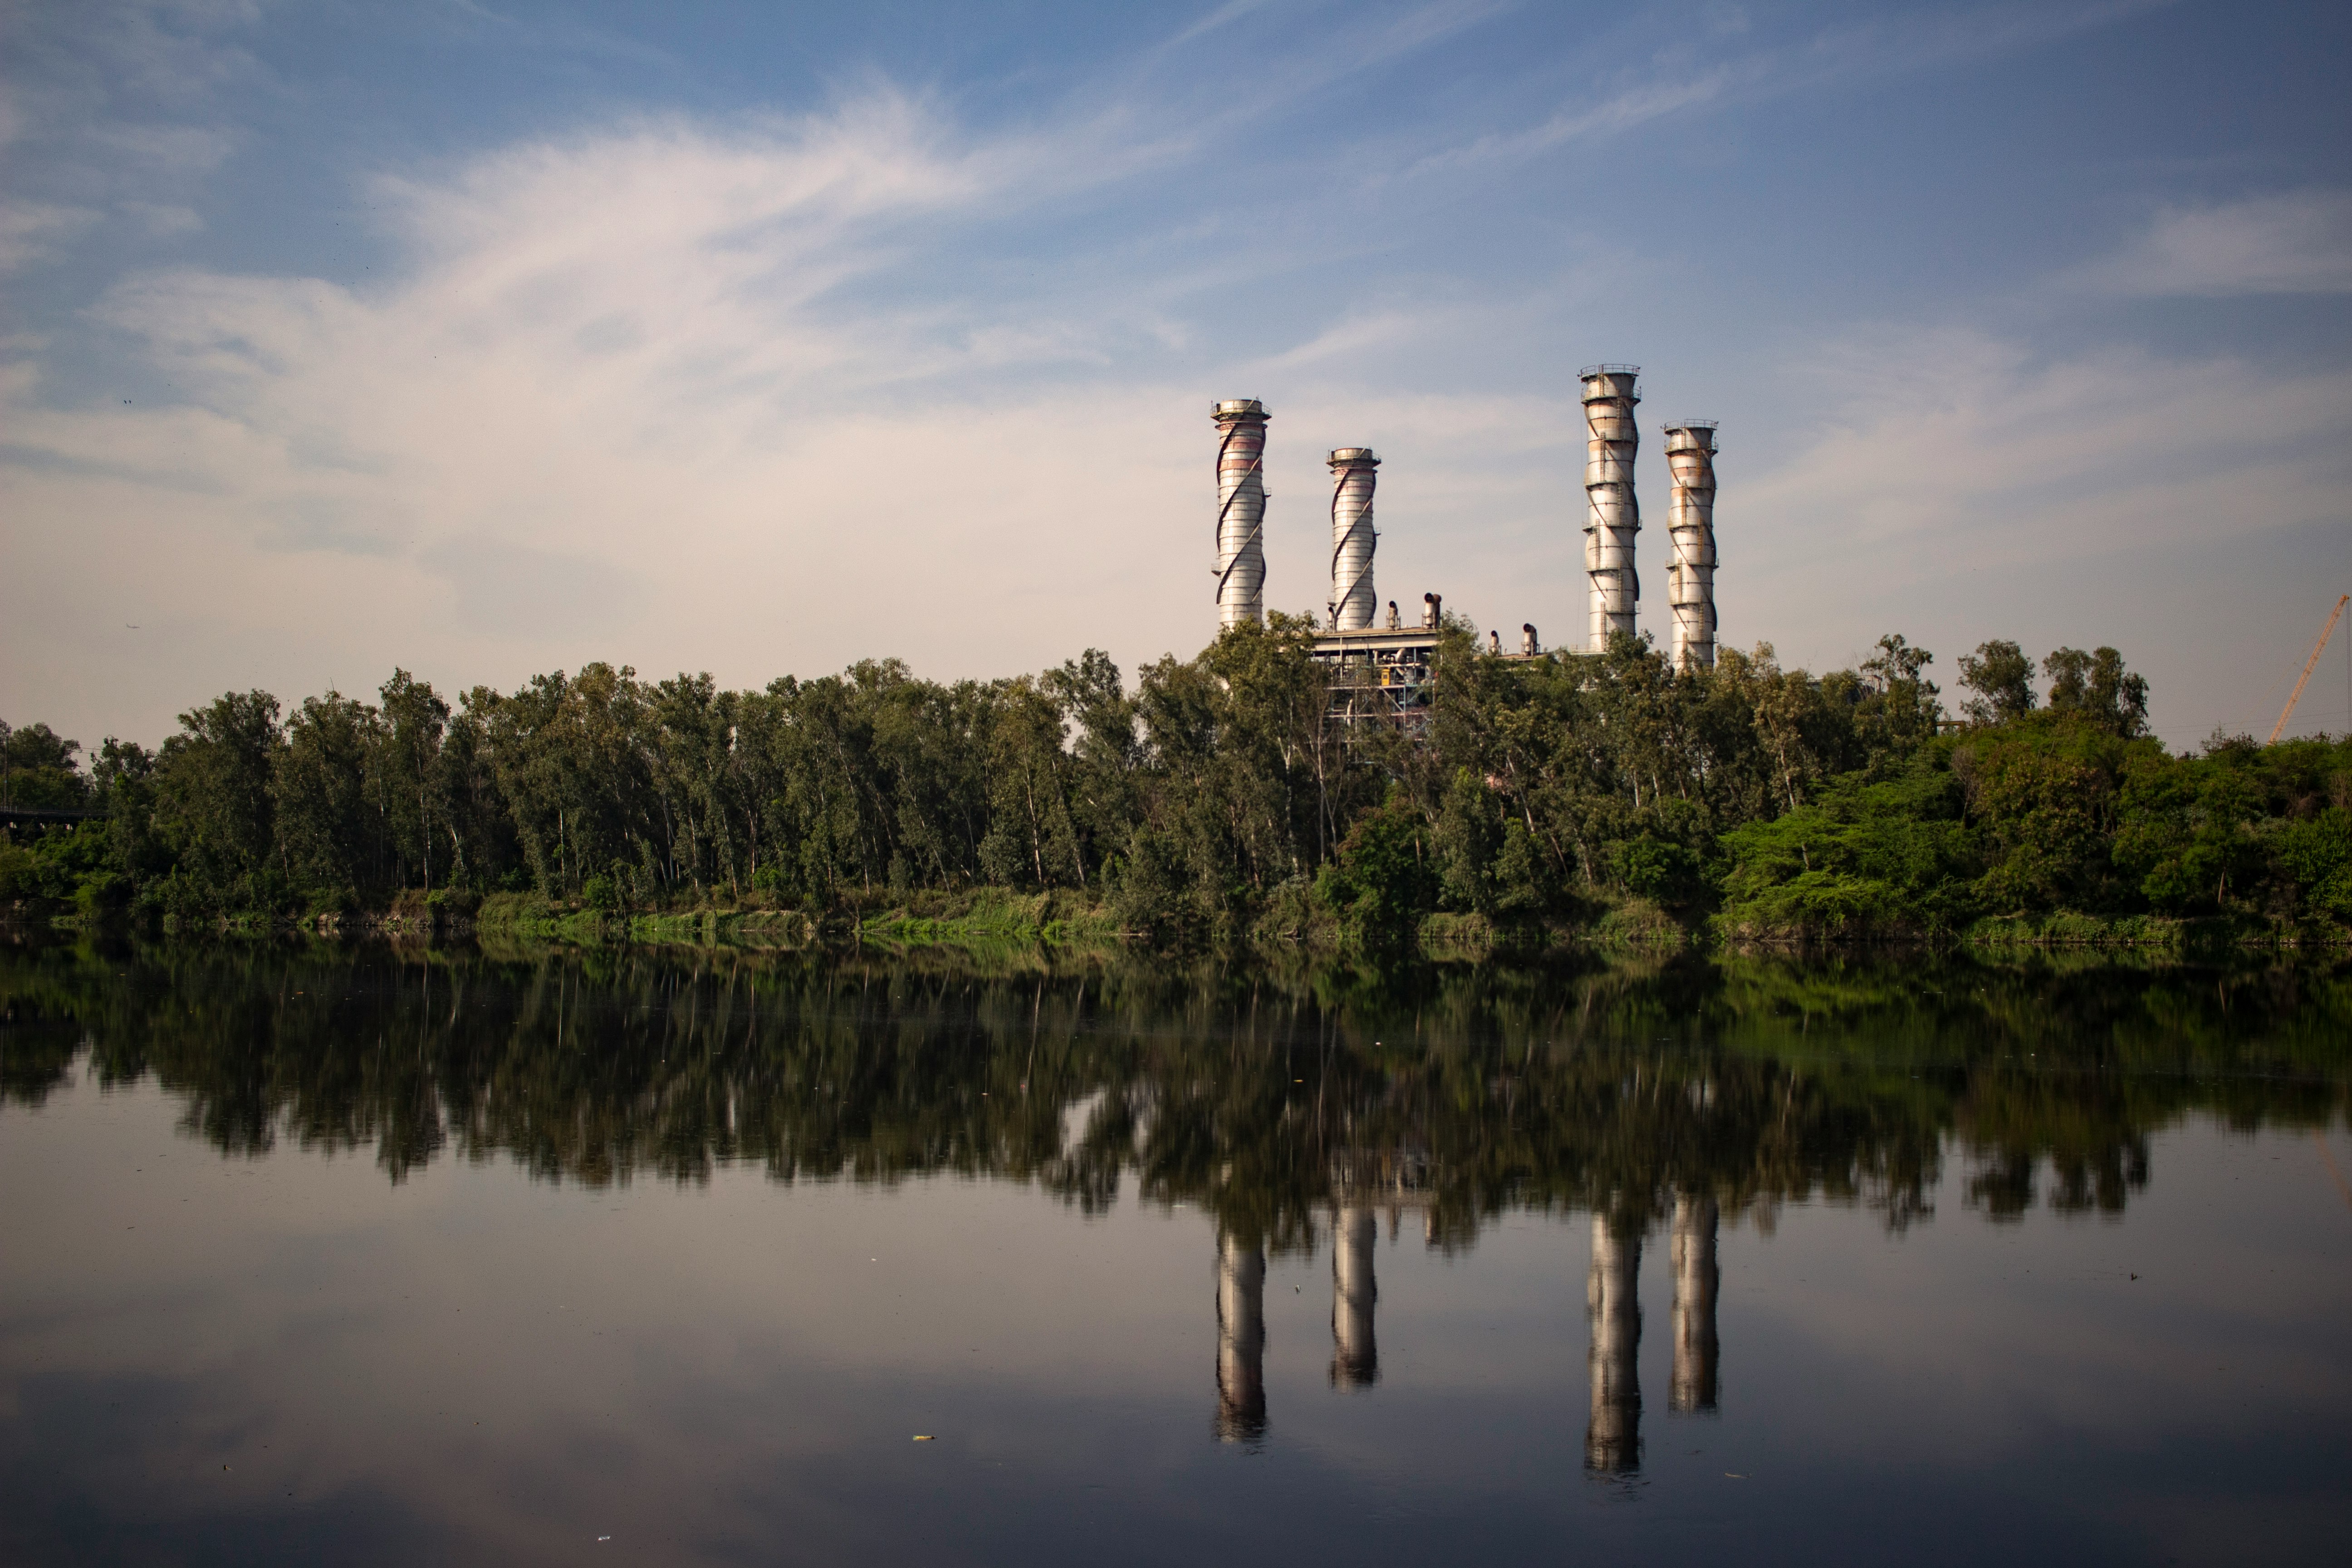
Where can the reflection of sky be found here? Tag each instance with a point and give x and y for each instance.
(735, 1372)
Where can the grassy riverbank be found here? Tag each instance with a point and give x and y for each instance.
(993, 919)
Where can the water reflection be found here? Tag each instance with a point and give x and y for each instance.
(1294, 1108)
(1241, 1340)
(1355, 1352)
(1695, 1273)
(1613, 1441)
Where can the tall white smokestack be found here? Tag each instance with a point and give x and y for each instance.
(1613, 515)
(1241, 511)
(1353, 602)
(1690, 520)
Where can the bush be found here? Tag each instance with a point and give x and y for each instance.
(1656, 869)
(1381, 883)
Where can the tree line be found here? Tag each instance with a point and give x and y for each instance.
(1217, 796)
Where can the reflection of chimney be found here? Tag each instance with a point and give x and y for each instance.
(1240, 1342)
(1612, 1442)
(1691, 1254)
(1355, 1359)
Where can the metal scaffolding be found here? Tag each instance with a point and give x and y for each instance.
(1382, 677)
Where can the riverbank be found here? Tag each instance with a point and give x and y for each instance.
(993, 918)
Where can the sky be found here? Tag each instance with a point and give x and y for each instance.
(487, 340)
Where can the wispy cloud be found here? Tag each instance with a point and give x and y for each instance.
(1885, 46)
(1977, 488)
(1231, 11)
(2296, 242)
(612, 389)
(1354, 334)
(1954, 443)
(31, 230)
(117, 105)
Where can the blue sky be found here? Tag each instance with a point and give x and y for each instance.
(485, 340)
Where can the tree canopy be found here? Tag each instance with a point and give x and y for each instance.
(1216, 795)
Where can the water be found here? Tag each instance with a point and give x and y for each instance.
(363, 1254)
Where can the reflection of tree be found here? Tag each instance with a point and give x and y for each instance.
(1266, 1097)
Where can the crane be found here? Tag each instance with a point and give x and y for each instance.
(2309, 664)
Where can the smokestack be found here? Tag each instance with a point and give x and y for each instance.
(1690, 520)
(1241, 511)
(1527, 643)
(1352, 479)
(1613, 515)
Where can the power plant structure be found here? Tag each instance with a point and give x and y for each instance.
(1241, 511)
(1690, 520)
(1384, 668)
(1352, 480)
(1612, 513)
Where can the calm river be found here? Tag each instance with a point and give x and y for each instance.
(370, 1253)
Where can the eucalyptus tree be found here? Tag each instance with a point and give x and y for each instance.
(216, 806)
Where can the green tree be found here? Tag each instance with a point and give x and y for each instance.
(216, 806)
(38, 770)
(1383, 882)
(2096, 687)
(2001, 676)
(408, 779)
(331, 833)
